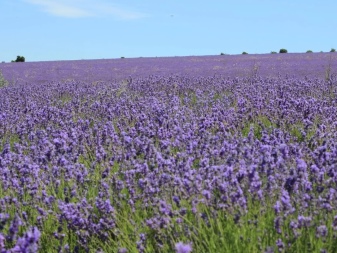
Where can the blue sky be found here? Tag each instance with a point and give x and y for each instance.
(44, 30)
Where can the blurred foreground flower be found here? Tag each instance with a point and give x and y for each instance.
(183, 248)
(122, 250)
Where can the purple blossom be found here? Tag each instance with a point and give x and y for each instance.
(280, 245)
(304, 221)
(269, 250)
(183, 248)
(122, 250)
(176, 199)
(277, 224)
(164, 208)
(301, 165)
(321, 231)
(207, 194)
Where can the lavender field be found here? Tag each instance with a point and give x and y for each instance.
(183, 154)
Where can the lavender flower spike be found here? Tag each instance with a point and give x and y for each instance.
(183, 248)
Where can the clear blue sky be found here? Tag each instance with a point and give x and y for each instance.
(44, 30)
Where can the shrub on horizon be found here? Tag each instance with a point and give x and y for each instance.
(332, 50)
(20, 59)
(283, 51)
(244, 53)
(309, 51)
(222, 53)
(273, 52)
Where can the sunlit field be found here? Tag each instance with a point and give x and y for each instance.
(186, 154)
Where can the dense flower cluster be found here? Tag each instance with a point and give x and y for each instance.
(147, 163)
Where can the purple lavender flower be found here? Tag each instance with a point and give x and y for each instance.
(278, 224)
(321, 231)
(301, 165)
(280, 245)
(207, 194)
(29, 242)
(183, 248)
(2, 241)
(176, 199)
(286, 201)
(304, 221)
(277, 207)
(269, 250)
(122, 250)
(164, 207)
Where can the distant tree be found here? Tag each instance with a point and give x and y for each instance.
(122, 57)
(332, 50)
(273, 52)
(222, 54)
(309, 51)
(19, 59)
(244, 53)
(283, 51)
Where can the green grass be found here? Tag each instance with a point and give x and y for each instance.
(259, 124)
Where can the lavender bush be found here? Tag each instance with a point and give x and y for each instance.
(169, 163)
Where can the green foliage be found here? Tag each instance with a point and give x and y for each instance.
(222, 54)
(283, 51)
(332, 50)
(273, 52)
(244, 53)
(328, 73)
(20, 59)
(257, 126)
(3, 81)
(309, 51)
